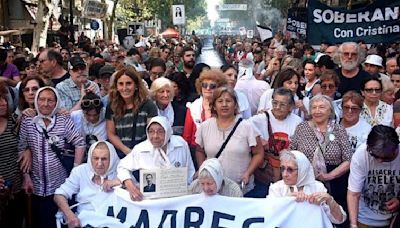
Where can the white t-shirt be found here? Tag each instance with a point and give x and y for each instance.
(286, 126)
(86, 128)
(377, 182)
(244, 106)
(358, 134)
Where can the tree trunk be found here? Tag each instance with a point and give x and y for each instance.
(44, 11)
(110, 22)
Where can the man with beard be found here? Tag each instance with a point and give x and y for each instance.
(350, 73)
(189, 60)
(73, 89)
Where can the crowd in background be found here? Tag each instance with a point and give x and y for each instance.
(279, 118)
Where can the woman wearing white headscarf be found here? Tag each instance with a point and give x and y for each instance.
(211, 181)
(91, 181)
(160, 150)
(298, 180)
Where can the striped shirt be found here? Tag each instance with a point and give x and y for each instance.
(70, 94)
(9, 169)
(123, 126)
(47, 171)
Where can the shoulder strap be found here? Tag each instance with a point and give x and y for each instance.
(228, 138)
(270, 133)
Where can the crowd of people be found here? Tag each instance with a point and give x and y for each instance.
(277, 119)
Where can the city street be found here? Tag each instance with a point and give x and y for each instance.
(209, 56)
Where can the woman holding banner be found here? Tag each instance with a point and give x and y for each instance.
(299, 181)
(160, 150)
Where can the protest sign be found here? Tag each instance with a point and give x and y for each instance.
(377, 22)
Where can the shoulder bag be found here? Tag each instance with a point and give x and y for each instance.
(228, 138)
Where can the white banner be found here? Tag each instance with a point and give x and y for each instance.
(178, 14)
(265, 33)
(204, 211)
(241, 7)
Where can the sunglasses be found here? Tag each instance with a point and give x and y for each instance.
(351, 109)
(28, 89)
(208, 85)
(277, 104)
(289, 170)
(371, 90)
(87, 103)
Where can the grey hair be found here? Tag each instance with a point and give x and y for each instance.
(339, 51)
(161, 83)
(327, 100)
(284, 92)
(286, 155)
(205, 174)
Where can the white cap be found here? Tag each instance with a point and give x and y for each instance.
(319, 55)
(374, 60)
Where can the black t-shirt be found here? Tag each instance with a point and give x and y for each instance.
(55, 81)
(354, 83)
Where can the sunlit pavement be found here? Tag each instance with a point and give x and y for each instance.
(209, 56)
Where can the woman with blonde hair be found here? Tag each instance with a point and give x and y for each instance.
(162, 93)
(129, 110)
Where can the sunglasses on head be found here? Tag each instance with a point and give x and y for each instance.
(208, 85)
(87, 103)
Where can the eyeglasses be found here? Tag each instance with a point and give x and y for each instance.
(79, 68)
(350, 54)
(351, 109)
(328, 86)
(208, 85)
(277, 104)
(28, 89)
(167, 52)
(373, 90)
(289, 170)
(158, 74)
(86, 103)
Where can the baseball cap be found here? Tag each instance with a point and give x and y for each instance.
(106, 69)
(76, 61)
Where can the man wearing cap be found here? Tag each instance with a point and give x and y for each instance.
(72, 90)
(51, 64)
(105, 73)
(373, 65)
(141, 46)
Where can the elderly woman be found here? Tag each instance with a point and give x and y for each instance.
(288, 79)
(45, 135)
(388, 91)
(326, 145)
(374, 110)
(91, 181)
(129, 111)
(242, 152)
(357, 129)
(160, 150)
(299, 181)
(162, 93)
(90, 119)
(200, 110)
(11, 196)
(211, 181)
(283, 124)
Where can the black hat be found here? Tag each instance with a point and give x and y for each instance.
(326, 61)
(76, 61)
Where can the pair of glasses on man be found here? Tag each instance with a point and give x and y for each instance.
(208, 85)
(372, 90)
(87, 103)
(289, 170)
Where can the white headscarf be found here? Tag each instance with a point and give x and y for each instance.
(168, 133)
(38, 119)
(214, 167)
(114, 160)
(305, 172)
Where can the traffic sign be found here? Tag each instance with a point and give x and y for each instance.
(94, 25)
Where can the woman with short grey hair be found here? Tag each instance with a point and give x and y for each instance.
(326, 145)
